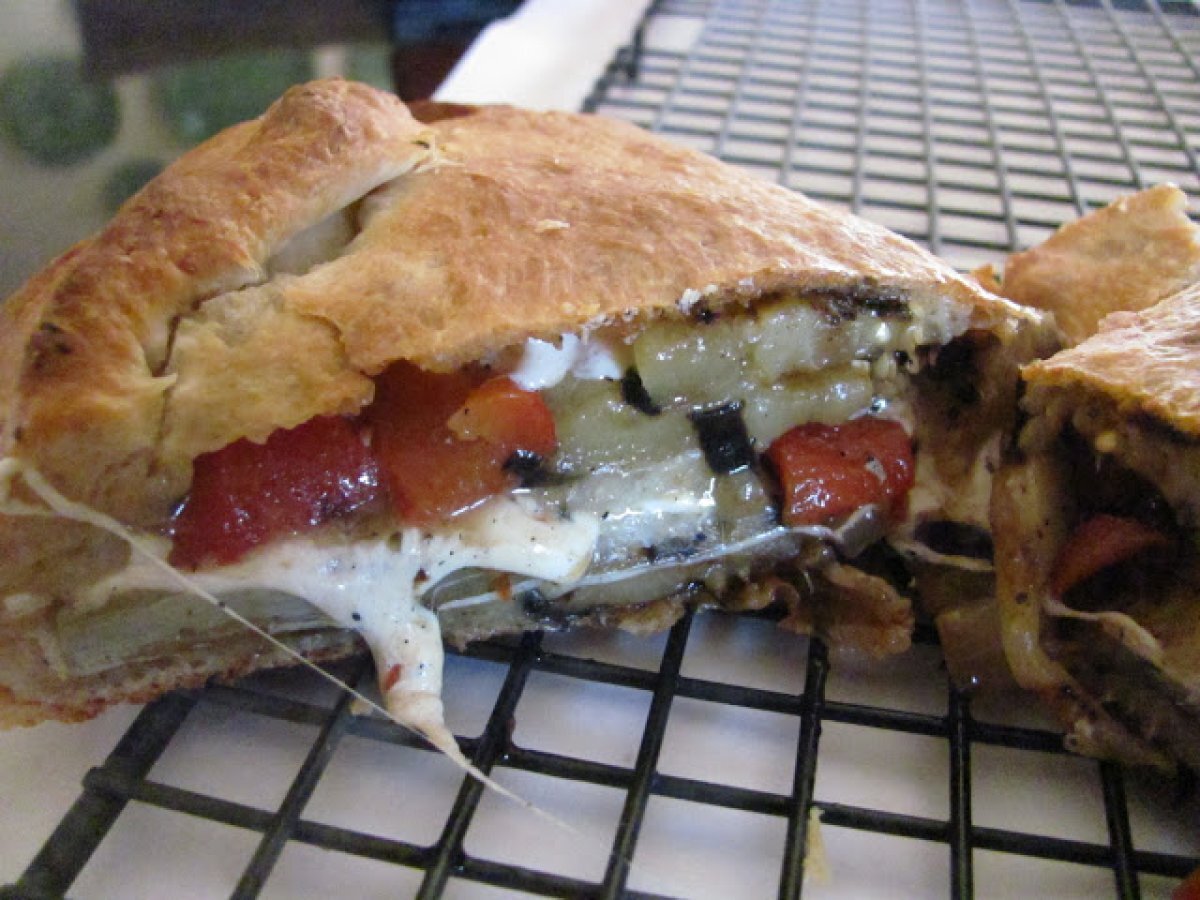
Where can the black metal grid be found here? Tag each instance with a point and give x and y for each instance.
(972, 127)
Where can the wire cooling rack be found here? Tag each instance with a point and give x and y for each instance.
(974, 128)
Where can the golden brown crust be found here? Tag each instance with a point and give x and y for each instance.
(86, 343)
(1147, 362)
(516, 224)
(537, 223)
(524, 224)
(1126, 256)
(170, 333)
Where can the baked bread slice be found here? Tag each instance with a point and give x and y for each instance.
(1095, 522)
(1096, 511)
(503, 370)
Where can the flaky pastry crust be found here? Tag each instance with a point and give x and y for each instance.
(172, 333)
(1126, 256)
(1145, 362)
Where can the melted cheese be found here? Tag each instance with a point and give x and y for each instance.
(543, 365)
(968, 499)
(374, 586)
(410, 628)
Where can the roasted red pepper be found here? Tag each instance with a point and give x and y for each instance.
(443, 440)
(1100, 542)
(501, 413)
(440, 444)
(246, 494)
(828, 471)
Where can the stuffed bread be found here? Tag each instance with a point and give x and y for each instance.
(1096, 511)
(1098, 567)
(353, 372)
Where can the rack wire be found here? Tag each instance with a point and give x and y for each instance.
(972, 127)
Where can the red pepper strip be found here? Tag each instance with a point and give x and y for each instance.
(1098, 543)
(1189, 888)
(443, 440)
(246, 493)
(501, 413)
(829, 471)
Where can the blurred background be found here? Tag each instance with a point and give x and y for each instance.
(97, 95)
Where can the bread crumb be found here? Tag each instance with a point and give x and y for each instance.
(816, 863)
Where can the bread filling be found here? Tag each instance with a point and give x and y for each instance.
(1100, 614)
(658, 491)
(1143, 445)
